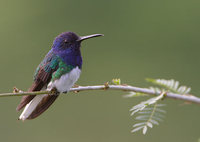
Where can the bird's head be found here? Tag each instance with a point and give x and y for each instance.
(69, 41)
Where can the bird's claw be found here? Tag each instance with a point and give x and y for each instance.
(76, 86)
(54, 91)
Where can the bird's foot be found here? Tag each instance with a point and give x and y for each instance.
(54, 91)
(76, 86)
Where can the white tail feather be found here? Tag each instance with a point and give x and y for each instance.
(30, 107)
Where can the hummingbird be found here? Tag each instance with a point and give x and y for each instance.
(58, 71)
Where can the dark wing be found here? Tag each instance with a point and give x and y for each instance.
(46, 102)
(42, 77)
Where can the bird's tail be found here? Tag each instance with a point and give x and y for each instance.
(37, 106)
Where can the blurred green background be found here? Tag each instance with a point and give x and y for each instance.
(143, 38)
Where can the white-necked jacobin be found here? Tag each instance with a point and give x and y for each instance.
(59, 70)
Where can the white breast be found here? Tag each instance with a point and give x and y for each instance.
(66, 81)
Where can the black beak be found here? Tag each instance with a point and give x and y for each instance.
(89, 36)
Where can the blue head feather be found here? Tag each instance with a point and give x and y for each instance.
(67, 47)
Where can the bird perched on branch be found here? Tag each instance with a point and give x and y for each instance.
(59, 70)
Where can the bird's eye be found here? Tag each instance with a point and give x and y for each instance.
(67, 44)
(65, 41)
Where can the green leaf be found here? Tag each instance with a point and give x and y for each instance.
(116, 81)
(144, 130)
(169, 85)
(150, 124)
(148, 116)
(135, 94)
(154, 122)
(137, 129)
(139, 124)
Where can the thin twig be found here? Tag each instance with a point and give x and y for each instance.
(187, 98)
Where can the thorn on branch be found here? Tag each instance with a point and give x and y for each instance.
(16, 90)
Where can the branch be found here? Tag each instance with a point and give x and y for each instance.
(187, 98)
